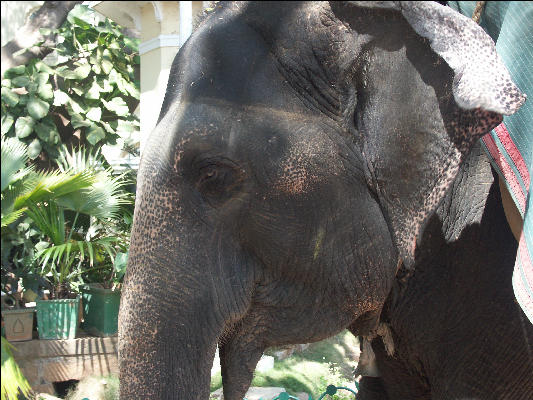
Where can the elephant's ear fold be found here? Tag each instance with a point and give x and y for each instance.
(414, 159)
(480, 78)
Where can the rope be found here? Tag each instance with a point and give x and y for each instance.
(476, 16)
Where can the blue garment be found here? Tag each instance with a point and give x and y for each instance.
(510, 145)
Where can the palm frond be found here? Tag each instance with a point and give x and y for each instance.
(12, 216)
(50, 220)
(12, 378)
(14, 158)
(78, 160)
(9, 195)
(105, 197)
(66, 252)
(44, 186)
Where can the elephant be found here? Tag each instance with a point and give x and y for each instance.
(316, 167)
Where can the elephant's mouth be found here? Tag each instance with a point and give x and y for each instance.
(243, 344)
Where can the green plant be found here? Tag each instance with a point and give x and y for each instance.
(85, 92)
(77, 248)
(111, 277)
(13, 381)
(71, 210)
(21, 186)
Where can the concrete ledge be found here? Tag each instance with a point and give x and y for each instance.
(46, 361)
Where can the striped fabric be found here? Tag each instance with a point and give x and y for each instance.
(510, 145)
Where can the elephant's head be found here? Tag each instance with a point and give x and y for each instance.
(300, 149)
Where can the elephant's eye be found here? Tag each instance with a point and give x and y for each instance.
(218, 181)
(209, 173)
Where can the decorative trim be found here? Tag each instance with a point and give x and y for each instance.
(159, 41)
(157, 10)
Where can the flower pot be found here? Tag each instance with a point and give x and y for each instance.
(58, 319)
(18, 324)
(100, 310)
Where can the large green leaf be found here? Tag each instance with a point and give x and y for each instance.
(82, 13)
(125, 128)
(132, 43)
(94, 114)
(24, 126)
(104, 84)
(42, 67)
(12, 216)
(47, 131)
(132, 89)
(60, 98)
(45, 91)
(79, 73)
(79, 121)
(106, 66)
(7, 123)
(9, 97)
(120, 264)
(20, 81)
(94, 91)
(117, 105)
(78, 89)
(94, 134)
(42, 78)
(97, 68)
(37, 108)
(76, 107)
(34, 149)
(60, 253)
(18, 70)
(81, 23)
(50, 219)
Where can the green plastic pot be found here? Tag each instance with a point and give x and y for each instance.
(100, 310)
(58, 319)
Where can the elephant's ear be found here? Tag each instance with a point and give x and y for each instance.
(481, 80)
(418, 117)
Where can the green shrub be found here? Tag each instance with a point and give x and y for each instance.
(85, 93)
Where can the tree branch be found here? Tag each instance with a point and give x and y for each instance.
(51, 15)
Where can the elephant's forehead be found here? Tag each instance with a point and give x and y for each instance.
(235, 127)
(293, 148)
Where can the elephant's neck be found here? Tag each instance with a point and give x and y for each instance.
(464, 262)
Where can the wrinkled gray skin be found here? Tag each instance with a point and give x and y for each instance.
(300, 151)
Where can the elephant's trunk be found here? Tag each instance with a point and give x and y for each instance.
(185, 284)
(166, 352)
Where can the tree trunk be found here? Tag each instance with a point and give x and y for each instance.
(51, 15)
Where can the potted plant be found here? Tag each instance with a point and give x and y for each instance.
(22, 187)
(101, 299)
(78, 245)
(64, 217)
